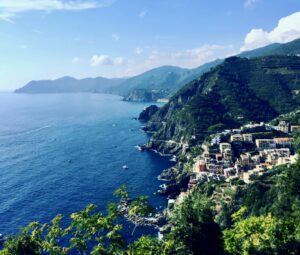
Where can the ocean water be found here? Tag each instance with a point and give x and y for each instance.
(59, 153)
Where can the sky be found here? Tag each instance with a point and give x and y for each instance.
(48, 39)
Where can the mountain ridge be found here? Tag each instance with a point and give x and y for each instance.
(154, 84)
(67, 84)
(236, 92)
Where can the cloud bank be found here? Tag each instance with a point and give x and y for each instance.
(287, 29)
(105, 60)
(9, 9)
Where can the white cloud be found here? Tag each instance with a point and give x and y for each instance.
(6, 16)
(119, 61)
(188, 58)
(192, 57)
(142, 14)
(10, 8)
(138, 51)
(250, 3)
(115, 37)
(102, 60)
(287, 29)
(75, 60)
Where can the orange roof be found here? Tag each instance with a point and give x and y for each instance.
(283, 139)
(264, 164)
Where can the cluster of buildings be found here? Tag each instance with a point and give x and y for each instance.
(245, 152)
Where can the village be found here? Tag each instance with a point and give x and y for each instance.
(243, 153)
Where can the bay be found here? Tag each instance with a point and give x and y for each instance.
(61, 152)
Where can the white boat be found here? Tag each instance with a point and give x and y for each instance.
(173, 159)
(125, 167)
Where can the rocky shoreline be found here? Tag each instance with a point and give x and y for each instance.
(154, 220)
(176, 180)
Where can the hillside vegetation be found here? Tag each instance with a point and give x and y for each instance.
(236, 92)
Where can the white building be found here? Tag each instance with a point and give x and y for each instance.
(248, 138)
(224, 146)
(265, 144)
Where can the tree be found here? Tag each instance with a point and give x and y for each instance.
(140, 206)
(88, 231)
(193, 225)
(121, 192)
(263, 234)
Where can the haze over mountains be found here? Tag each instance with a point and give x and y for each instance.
(69, 85)
(161, 82)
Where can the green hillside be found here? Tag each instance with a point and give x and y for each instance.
(165, 81)
(238, 91)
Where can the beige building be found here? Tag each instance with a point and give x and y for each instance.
(236, 138)
(227, 155)
(248, 138)
(245, 159)
(284, 141)
(265, 144)
(283, 126)
(224, 146)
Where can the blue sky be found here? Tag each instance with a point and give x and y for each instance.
(47, 39)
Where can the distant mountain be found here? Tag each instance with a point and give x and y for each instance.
(154, 84)
(235, 92)
(161, 82)
(70, 85)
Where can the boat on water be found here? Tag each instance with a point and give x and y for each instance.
(125, 167)
(173, 159)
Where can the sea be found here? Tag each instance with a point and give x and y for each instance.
(61, 152)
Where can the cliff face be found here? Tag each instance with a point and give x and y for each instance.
(235, 92)
(143, 95)
(146, 114)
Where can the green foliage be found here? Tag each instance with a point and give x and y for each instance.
(297, 141)
(87, 227)
(21, 244)
(216, 128)
(194, 226)
(121, 192)
(259, 235)
(196, 151)
(140, 206)
(151, 246)
(265, 220)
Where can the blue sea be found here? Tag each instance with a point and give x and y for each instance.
(61, 152)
